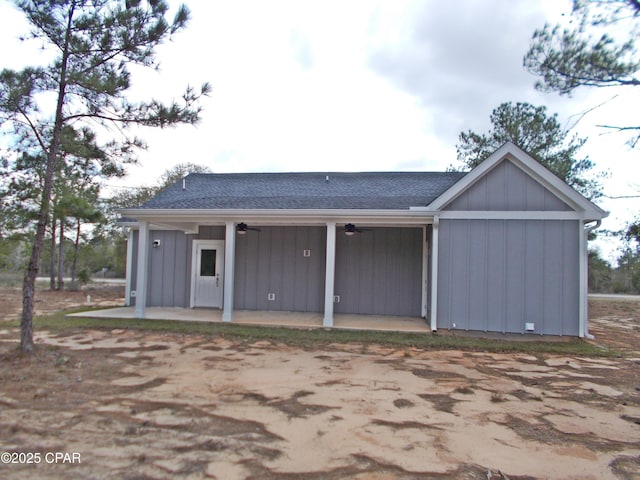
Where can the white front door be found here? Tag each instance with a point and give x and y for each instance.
(207, 273)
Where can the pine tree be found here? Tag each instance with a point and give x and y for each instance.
(598, 49)
(95, 43)
(540, 135)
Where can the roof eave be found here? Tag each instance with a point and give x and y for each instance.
(189, 219)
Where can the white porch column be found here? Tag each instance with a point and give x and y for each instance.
(143, 267)
(583, 266)
(583, 281)
(330, 270)
(434, 274)
(128, 268)
(229, 263)
(425, 272)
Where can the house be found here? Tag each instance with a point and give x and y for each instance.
(502, 248)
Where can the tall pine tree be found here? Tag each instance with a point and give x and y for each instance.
(597, 49)
(95, 43)
(540, 135)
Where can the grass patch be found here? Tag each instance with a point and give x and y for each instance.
(496, 397)
(318, 337)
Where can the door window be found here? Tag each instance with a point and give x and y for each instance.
(207, 263)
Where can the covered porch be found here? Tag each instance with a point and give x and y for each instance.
(269, 318)
(272, 265)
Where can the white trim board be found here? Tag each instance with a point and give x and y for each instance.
(511, 215)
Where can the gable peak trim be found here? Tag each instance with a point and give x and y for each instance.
(534, 169)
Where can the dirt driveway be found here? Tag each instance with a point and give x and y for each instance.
(149, 406)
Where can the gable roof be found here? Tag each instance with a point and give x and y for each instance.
(511, 152)
(364, 190)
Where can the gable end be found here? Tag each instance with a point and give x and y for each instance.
(507, 188)
(553, 195)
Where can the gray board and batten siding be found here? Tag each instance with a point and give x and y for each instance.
(379, 272)
(169, 269)
(170, 265)
(280, 268)
(498, 275)
(508, 188)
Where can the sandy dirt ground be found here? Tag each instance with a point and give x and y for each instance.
(134, 405)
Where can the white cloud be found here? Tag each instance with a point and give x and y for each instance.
(462, 60)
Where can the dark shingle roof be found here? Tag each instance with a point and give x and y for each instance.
(369, 190)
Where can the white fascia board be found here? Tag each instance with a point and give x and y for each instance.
(533, 168)
(130, 224)
(159, 225)
(278, 216)
(511, 215)
(416, 216)
(186, 227)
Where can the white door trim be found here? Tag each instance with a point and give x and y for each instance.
(217, 244)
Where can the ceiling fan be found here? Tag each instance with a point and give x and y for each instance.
(243, 228)
(350, 229)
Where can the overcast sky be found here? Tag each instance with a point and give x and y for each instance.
(354, 86)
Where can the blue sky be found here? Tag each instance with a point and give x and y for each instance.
(353, 86)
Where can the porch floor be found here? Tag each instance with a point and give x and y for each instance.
(284, 319)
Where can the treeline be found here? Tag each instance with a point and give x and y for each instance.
(82, 239)
(94, 249)
(624, 277)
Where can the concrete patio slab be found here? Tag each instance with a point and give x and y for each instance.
(281, 319)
